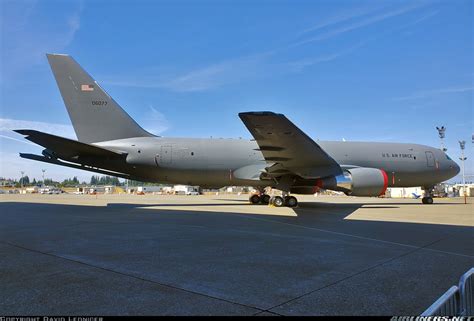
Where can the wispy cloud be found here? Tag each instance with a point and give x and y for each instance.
(197, 80)
(339, 18)
(422, 18)
(27, 36)
(155, 122)
(8, 125)
(363, 23)
(434, 92)
(238, 69)
(16, 140)
(205, 78)
(414, 22)
(216, 75)
(303, 63)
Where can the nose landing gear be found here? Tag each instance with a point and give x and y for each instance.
(428, 197)
(427, 200)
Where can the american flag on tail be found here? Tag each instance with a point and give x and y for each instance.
(87, 87)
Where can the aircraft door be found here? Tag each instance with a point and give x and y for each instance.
(430, 160)
(164, 157)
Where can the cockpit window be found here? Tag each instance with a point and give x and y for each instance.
(449, 158)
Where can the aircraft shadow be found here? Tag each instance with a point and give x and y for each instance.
(318, 215)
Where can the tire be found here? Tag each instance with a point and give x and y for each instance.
(291, 201)
(254, 199)
(278, 201)
(265, 198)
(427, 200)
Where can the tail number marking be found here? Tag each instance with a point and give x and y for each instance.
(99, 103)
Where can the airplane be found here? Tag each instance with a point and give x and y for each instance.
(280, 156)
(417, 196)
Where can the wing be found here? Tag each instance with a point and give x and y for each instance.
(288, 149)
(67, 148)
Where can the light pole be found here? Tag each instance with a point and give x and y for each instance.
(21, 179)
(462, 144)
(441, 133)
(43, 170)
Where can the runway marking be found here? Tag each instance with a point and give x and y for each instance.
(354, 236)
(351, 276)
(132, 276)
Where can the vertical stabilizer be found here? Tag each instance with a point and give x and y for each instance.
(95, 116)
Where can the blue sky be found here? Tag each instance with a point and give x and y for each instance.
(358, 70)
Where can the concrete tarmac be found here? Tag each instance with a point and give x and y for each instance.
(218, 255)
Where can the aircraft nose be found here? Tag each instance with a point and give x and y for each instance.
(454, 168)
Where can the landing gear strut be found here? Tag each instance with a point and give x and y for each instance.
(428, 197)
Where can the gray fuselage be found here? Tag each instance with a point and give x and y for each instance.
(211, 162)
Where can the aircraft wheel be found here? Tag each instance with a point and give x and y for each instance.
(278, 201)
(265, 198)
(427, 200)
(254, 199)
(291, 201)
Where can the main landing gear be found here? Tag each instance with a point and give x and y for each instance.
(260, 198)
(277, 201)
(428, 197)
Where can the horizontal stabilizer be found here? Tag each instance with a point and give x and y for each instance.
(72, 165)
(65, 147)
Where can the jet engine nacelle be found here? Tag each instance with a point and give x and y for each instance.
(360, 181)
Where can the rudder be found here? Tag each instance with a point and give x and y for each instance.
(95, 116)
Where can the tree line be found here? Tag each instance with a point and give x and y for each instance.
(74, 181)
(104, 180)
(68, 182)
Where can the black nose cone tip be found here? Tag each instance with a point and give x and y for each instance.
(455, 169)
